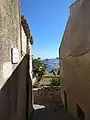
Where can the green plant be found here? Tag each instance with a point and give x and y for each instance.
(39, 68)
(55, 81)
(36, 84)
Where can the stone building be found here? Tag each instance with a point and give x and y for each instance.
(75, 61)
(9, 36)
(26, 42)
(15, 79)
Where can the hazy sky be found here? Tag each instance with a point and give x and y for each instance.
(47, 20)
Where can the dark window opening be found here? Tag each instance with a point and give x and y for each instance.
(65, 100)
(80, 113)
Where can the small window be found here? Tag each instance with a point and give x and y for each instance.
(80, 113)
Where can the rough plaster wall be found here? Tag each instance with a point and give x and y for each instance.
(24, 41)
(74, 7)
(77, 32)
(75, 80)
(24, 49)
(9, 35)
(75, 60)
(13, 95)
(30, 49)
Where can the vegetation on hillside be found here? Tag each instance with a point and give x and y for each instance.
(55, 81)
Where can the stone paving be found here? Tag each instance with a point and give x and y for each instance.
(50, 112)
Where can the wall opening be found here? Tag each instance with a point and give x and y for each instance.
(65, 99)
(80, 113)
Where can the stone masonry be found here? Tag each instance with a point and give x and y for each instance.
(47, 95)
(9, 36)
(15, 81)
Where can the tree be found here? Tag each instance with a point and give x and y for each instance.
(39, 68)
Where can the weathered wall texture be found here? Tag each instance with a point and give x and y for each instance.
(47, 95)
(9, 36)
(15, 81)
(23, 41)
(75, 60)
(15, 94)
(30, 62)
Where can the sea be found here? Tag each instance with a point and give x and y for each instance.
(49, 68)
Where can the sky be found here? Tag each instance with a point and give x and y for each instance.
(47, 20)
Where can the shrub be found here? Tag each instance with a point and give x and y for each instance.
(39, 68)
(36, 84)
(55, 82)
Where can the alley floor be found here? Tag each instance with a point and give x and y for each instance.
(50, 112)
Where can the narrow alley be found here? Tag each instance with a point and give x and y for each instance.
(50, 112)
(47, 104)
(44, 60)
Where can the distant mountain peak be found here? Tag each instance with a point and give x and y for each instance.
(52, 63)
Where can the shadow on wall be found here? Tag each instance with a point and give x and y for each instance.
(15, 94)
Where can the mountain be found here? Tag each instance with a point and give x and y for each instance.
(52, 63)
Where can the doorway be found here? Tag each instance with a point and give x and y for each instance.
(80, 113)
(65, 99)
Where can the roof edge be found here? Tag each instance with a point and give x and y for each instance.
(26, 29)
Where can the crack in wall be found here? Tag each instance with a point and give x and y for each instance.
(88, 50)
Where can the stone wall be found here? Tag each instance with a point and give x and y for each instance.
(15, 81)
(47, 95)
(9, 36)
(16, 94)
(24, 43)
(75, 61)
